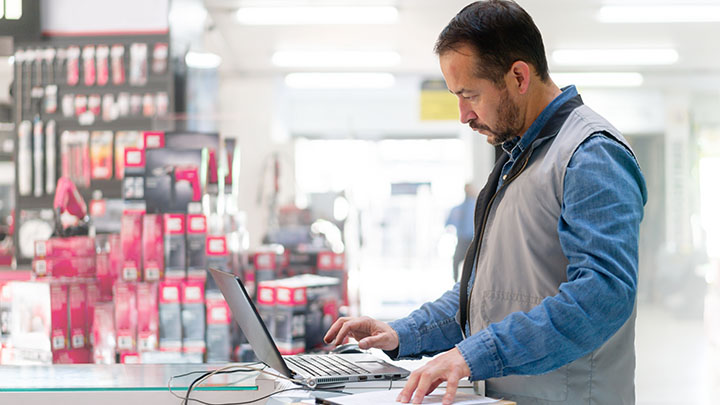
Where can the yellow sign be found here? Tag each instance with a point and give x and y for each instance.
(437, 103)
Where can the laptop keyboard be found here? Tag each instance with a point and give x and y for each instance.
(322, 365)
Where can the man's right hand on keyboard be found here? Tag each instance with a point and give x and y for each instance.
(367, 331)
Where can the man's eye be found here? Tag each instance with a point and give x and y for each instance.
(469, 98)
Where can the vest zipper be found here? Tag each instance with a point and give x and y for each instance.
(482, 233)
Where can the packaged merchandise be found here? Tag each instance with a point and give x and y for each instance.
(117, 55)
(103, 333)
(77, 296)
(131, 234)
(38, 158)
(50, 152)
(148, 105)
(38, 320)
(72, 356)
(175, 259)
(138, 64)
(160, 58)
(162, 102)
(94, 104)
(75, 152)
(109, 110)
(123, 140)
(68, 105)
(153, 139)
(331, 264)
(106, 215)
(147, 313)
(264, 264)
(265, 300)
(81, 104)
(196, 246)
(25, 165)
(73, 66)
(123, 104)
(70, 267)
(217, 257)
(51, 101)
(70, 247)
(193, 316)
(125, 316)
(88, 55)
(101, 144)
(170, 318)
(134, 174)
(136, 104)
(103, 72)
(153, 248)
(217, 334)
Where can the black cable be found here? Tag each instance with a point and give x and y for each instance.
(206, 373)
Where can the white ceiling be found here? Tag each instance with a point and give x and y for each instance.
(564, 24)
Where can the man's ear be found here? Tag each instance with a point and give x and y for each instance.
(519, 77)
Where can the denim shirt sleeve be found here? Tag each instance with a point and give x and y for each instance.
(603, 197)
(429, 330)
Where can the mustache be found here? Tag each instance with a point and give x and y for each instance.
(474, 125)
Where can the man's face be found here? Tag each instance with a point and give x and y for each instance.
(484, 106)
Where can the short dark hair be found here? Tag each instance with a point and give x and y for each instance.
(501, 32)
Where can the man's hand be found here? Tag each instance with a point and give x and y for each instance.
(367, 331)
(449, 366)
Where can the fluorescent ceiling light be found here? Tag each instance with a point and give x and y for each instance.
(316, 15)
(598, 79)
(202, 60)
(659, 14)
(335, 58)
(614, 57)
(340, 80)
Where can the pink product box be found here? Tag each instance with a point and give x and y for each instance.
(153, 248)
(147, 316)
(125, 317)
(73, 267)
(77, 303)
(105, 278)
(73, 356)
(131, 235)
(103, 333)
(76, 246)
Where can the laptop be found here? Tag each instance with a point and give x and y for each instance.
(314, 370)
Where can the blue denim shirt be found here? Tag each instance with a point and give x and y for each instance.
(589, 307)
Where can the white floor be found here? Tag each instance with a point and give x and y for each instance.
(675, 362)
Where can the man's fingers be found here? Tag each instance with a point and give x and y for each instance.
(410, 385)
(372, 341)
(427, 378)
(334, 329)
(450, 389)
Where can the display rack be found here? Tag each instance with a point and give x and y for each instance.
(83, 84)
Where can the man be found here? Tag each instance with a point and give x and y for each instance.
(461, 218)
(545, 308)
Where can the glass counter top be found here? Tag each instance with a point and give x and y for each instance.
(119, 377)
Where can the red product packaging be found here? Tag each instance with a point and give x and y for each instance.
(103, 71)
(76, 246)
(73, 65)
(105, 278)
(92, 297)
(147, 317)
(88, 55)
(72, 356)
(83, 267)
(117, 55)
(130, 358)
(169, 316)
(153, 248)
(131, 234)
(77, 295)
(125, 316)
(154, 139)
(217, 311)
(59, 315)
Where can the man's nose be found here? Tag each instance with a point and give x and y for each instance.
(466, 113)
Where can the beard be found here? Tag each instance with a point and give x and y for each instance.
(508, 124)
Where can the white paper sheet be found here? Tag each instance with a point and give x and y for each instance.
(387, 397)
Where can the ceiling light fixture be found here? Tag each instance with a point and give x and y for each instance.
(335, 58)
(202, 60)
(598, 79)
(340, 80)
(614, 57)
(659, 14)
(316, 15)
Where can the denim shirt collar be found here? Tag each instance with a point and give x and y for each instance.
(514, 147)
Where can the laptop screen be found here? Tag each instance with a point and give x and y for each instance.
(248, 318)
